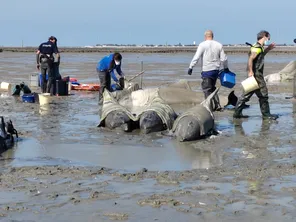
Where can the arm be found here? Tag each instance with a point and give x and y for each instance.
(270, 47)
(37, 57)
(250, 62)
(56, 51)
(223, 59)
(113, 76)
(196, 57)
(118, 70)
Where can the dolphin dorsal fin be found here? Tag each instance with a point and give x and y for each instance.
(207, 103)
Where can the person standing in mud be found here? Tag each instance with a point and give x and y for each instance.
(45, 59)
(255, 68)
(105, 69)
(213, 59)
(55, 68)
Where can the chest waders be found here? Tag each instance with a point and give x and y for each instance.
(262, 92)
(46, 62)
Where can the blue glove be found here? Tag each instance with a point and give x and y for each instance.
(189, 71)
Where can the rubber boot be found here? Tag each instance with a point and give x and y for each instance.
(238, 110)
(265, 110)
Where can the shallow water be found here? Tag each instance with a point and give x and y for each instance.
(67, 131)
(67, 135)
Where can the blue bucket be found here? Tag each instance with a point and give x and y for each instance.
(28, 98)
(227, 79)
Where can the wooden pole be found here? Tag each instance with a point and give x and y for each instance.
(141, 79)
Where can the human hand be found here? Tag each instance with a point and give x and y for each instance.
(226, 70)
(271, 46)
(38, 66)
(189, 71)
(251, 73)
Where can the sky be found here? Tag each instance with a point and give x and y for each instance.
(90, 22)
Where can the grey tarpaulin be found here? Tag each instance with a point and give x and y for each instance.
(137, 102)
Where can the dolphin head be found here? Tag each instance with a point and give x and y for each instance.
(118, 119)
(151, 122)
(188, 129)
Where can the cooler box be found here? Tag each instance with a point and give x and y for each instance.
(227, 79)
(62, 87)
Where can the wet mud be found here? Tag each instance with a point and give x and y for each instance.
(64, 168)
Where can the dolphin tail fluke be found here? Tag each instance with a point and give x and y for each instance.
(210, 101)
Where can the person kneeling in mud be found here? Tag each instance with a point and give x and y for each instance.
(105, 69)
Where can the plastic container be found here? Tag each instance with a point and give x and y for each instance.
(73, 80)
(28, 98)
(62, 87)
(44, 99)
(250, 84)
(34, 80)
(5, 86)
(227, 79)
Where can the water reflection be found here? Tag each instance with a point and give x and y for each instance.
(51, 116)
(198, 158)
(242, 127)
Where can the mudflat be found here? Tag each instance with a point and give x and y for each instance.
(64, 168)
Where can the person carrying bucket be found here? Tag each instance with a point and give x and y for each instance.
(255, 68)
(45, 59)
(213, 59)
(105, 69)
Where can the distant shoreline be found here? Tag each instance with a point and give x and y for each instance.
(184, 49)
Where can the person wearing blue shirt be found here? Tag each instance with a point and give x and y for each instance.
(105, 69)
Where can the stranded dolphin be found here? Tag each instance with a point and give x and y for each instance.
(150, 114)
(286, 74)
(157, 116)
(197, 122)
(114, 115)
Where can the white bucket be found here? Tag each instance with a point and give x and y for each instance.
(250, 84)
(5, 86)
(34, 80)
(44, 98)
